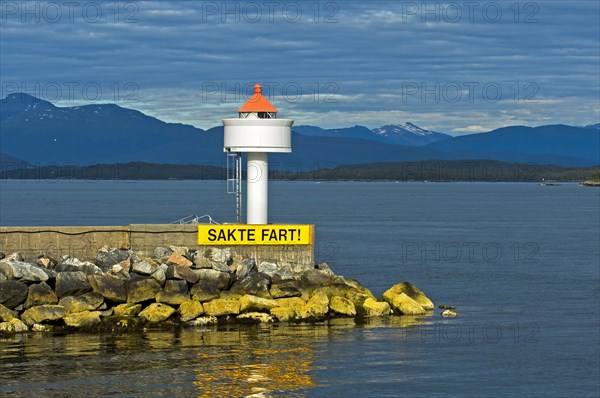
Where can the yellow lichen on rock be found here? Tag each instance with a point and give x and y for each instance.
(82, 319)
(342, 306)
(404, 304)
(157, 312)
(15, 325)
(411, 291)
(6, 314)
(220, 307)
(316, 308)
(371, 307)
(190, 309)
(283, 314)
(127, 309)
(287, 308)
(254, 303)
(43, 313)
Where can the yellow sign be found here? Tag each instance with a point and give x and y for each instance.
(239, 234)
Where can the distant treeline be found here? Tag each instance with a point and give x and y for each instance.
(430, 170)
(451, 170)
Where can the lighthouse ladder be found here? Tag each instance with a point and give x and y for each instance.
(234, 181)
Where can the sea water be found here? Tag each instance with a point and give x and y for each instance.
(520, 262)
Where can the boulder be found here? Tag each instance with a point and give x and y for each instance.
(371, 307)
(404, 304)
(109, 256)
(110, 287)
(157, 312)
(219, 255)
(316, 308)
(16, 256)
(336, 289)
(106, 312)
(23, 271)
(255, 317)
(162, 252)
(184, 273)
(175, 292)
(221, 267)
(220, 307)
(12, 293)
(221, 279)
(141, 289)
(315, 277)
(190, 309)
(127, 309)
(285, 288)
(15, 325)
(177, 259)
(342, 306)
(283, 314)
(287, 308)
(40, 294)
(255, 284)
(204, 290)
(73, 264)
(245, 267)
(82, 319)
(143, 268)
(86, 302)
(6, 314)
(268, 268)
(71, 284)
(181, 250)
(159, 275)
(6, 271)
(46, 262)
(256, 304)
(201, 262)
(43, 313)
(411, 291)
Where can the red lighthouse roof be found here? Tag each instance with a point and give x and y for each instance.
(257, 103)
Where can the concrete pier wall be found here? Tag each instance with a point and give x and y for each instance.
(83, 242)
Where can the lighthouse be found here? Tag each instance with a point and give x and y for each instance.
(257, 132)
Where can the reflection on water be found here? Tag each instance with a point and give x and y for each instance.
(250, 371)
(255, 361)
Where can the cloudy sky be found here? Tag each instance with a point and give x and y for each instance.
(455, 67)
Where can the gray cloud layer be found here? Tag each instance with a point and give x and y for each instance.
(450, 66)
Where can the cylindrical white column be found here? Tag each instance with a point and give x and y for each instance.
(257, 189)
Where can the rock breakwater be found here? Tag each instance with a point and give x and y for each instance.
(122, 289)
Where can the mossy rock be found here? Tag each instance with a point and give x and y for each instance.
(372, 308)
(82, 319)
(342, 306)
(411, 291)
(157, 312)
(190, 309)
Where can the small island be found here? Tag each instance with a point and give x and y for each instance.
(594, 181)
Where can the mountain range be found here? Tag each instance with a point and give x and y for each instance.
(37, 132)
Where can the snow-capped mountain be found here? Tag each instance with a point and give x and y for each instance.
(409, 134)
(401, 134)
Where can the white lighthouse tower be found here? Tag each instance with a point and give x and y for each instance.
(257, 132)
